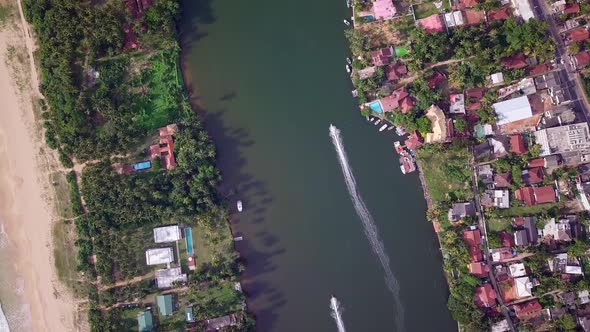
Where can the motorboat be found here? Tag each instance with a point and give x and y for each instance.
(367, 117)
(371, 119)
(377, 122)
(383, 127)
(240, 206)
(346, 22)
(398, 148)
(349, 61)
(355, 93)
(348, 3)
(348, 69)
(390, 128)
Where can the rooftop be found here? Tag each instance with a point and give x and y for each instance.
(517, 144)
(499, 14)
(165, 304)
(485, 296)
(432, 23)
(513, 110)
(384, 9)
(167, 234)
(159, 256)
(527, 308)
(166, 277)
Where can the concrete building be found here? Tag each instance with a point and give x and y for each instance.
(572, 142)
(158, 256)
(523, 287)
(513, 110)
(166, 277)
(167, 234)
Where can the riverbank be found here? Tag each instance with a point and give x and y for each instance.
(26, 203)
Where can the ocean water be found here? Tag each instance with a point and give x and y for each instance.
(14, 310)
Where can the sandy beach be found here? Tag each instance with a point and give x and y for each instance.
(26, 206)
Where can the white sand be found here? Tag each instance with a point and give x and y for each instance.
(25, 197)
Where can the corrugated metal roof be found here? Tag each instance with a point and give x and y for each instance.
(513, 110)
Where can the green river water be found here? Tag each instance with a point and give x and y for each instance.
(270, 76)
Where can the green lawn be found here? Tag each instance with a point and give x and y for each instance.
(446, 171)
(497, 224)
(424, 10)
(519, 211)
(216, 300)
(213, 244)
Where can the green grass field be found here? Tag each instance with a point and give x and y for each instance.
(213, 244)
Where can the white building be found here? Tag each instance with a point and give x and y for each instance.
(167, 234)
(523, 287)
(165, 277)
(159, 256)
(517, 270)
(513, 110)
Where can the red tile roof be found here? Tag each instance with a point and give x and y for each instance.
(475, 93)
(527, 308)
(582, 59)
(506, 238)
(517, 144)
(502, 180)
(414, 141)
(539, 162)
(382, 56)
(165, 148)
(499, 14)
(515, 61)
(474, 17)
(436, 79)
(479, 269)
(571, 8)
(577, 35)
(395, 71)
(534, 175)
(518, 221)
(394, 100)
(473, 107)
(539, 69)
(462, 4)
(485, 296)
(406, 105)
(526, 195)
(545, 194)
(432, 23)
(473, 239)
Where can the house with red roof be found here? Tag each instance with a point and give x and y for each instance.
(580, 60)
(432, 23)
(536, 195)
(382, 56)
(571, 8)
(164, 150)
(474, 17)
(462, 4)
(576, 35)
(515, 61)
(533, 175)
(400, 98)
(485, 296)
(527, 309)
(539, 69)
(499, 14)
(517, 144)
(479, 269)
(502, 180)
(436, 79)
(395, 71)
(414, 141)
(384, 9)
(472, 238)
(538, 162)
(506, 239)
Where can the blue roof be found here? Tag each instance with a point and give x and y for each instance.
(142, 165)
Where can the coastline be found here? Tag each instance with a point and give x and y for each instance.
(26, 204)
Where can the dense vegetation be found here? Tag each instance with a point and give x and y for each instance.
(111, 77)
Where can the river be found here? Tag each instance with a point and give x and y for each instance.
(270, 77)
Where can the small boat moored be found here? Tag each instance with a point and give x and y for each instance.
(383, 127)
(346, 22)
(349, 61)
(348, 69)
(391, 127)
(240, 206)
(367, 117)
(377, 122)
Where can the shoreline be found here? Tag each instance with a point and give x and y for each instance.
(27, 203)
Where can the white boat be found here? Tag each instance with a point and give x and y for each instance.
(367, 117)
(377, 122)
(383, 127)
(371, 119)
(348, 3)
(240, 207)
(348, 69)
(346, 22)
(349, 61)
(390, 127)
(238, 238)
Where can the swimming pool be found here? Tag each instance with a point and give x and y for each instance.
(376, 107)
(142, 165)
(188, 235)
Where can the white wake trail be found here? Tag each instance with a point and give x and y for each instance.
(368, 224)
(337, 314)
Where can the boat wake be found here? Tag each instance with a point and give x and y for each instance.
(368, 224)
(337, 314)
(3, 321)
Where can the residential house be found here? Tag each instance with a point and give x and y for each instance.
(532, 175)
(521, 238)
(384, 9)
(568, 298)
(559, 231)
(167, 234)
(547, 162)
(516, 61)
(524, 9)
(506, 239)
(461, 210)
(584, 296)
(489, 149)
(496, 78)
(157, 256)
(517, 144)
(523, 287)
(164, 150)
(462, 4)
(517, 270)
(512, 110)
(485, 174)
(563, 264)
(440, 129)
(496, 198)
(165, 278)
(382, 57)
(502, 180)
(485, 296)
(432, 23)
(414, 140)
(548, 80)
(572, 142)
(526, 86)
(457, 103)
(499, 14)
(576, 35)
(559, 116)
(396, 71)
(580, 60)
(400, 98)
(474, 17)
(540, 69)
(502, 254)
(454, 19)
(472, 238)
(570, 9)
(144, 321)
(217, 324)
(527, 309)
(436, 79)
(479, 269)
(570, 24)
(473, 98)
(526, 232)
(165, 305)
(536, 195)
